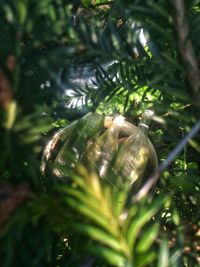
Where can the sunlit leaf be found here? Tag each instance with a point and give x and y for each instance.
(139, 221)
(148, 237)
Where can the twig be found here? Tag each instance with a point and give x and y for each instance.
(186, 47)
(153, 179)
(171, 112)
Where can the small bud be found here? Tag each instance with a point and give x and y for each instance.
(11, 63)
(5, 91)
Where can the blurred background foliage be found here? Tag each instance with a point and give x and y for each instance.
(60, 60)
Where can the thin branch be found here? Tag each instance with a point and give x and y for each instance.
(171, 112)
(88, 263)
(186, 47)
(154, 178)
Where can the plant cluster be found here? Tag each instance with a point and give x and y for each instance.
(62, 59)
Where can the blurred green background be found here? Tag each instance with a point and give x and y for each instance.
(60, 60)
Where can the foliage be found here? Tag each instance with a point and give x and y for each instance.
(85, 222)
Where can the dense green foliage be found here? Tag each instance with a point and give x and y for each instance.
(44, 222)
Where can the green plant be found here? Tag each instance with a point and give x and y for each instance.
(44, 222)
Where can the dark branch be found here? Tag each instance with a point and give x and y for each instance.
(186, 47)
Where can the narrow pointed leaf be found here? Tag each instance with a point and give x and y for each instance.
(98, 234)
(141, 219)
(111, 256)
(145, 259)
(89, 213)
(147, 238)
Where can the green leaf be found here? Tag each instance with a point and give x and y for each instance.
(145, 259)
(87, 211)
(94, 205)
(119, 201)
(98, 234)
(147, 238)
(111, 256)
(194, 144)
(22, 11)
(159, 10)
(163, 257)
(140, 220)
